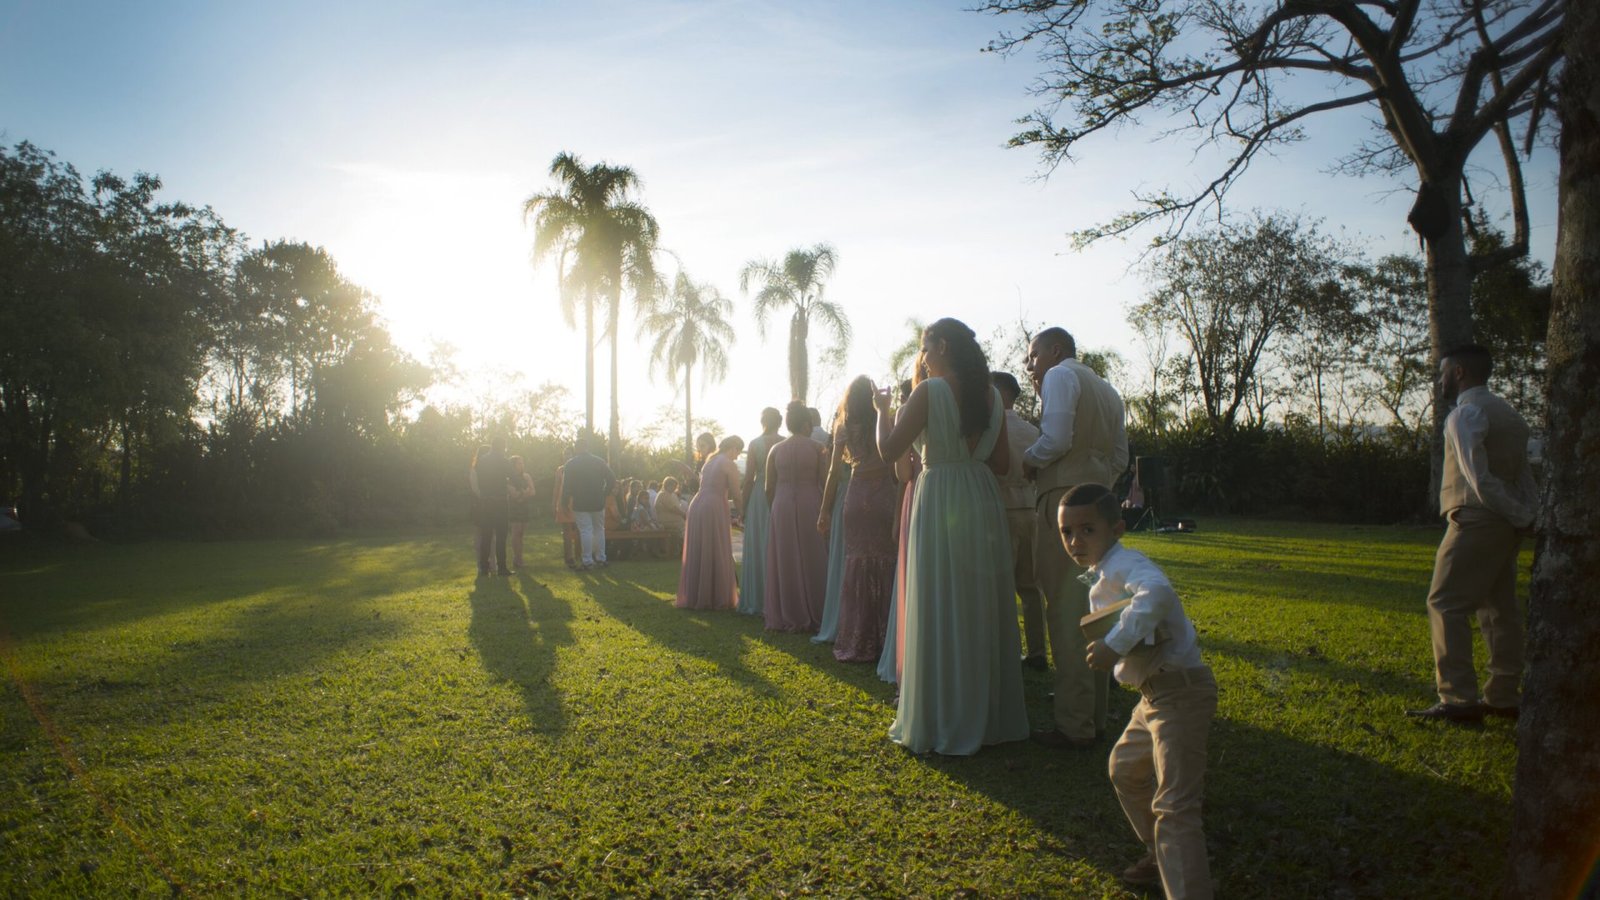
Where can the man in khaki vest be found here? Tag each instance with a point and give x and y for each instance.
(1082, 439)
(1487, 494)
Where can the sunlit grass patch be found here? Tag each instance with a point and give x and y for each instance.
(365, 716)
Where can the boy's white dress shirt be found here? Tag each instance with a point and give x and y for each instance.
(1124, 573)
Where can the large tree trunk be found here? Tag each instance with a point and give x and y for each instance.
(1556, 806)
(799, 364)
(1449, 271)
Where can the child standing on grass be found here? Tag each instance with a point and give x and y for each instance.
(1158, 767)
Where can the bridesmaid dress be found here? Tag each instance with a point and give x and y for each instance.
(757, 526)
(961, 676)
(706, 580)
(797, 559)
(830, 601)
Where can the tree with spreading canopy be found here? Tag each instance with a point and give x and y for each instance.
(1244, 79)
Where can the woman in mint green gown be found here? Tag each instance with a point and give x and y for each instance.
(757, 516)
(830, 603)
(961, 675)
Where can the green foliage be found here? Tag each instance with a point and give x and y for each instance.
(363, 718)
(1294, 469)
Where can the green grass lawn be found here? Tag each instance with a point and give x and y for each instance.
(365, 717)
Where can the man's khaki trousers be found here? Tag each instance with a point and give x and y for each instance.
(1475, 574)
(1081, 692)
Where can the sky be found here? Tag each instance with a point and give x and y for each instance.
(405, 136)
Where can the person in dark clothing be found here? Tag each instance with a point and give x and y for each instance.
(586, 482)
(494, 511)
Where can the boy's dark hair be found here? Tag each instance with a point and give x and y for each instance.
(1006, 382)
(1098, 496)
(1475, 358)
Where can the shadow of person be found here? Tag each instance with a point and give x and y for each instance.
(517, 628)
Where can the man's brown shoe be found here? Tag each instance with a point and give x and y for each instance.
(1504, 712)
(1142, 874)
(1055, 740)
(1449, 712)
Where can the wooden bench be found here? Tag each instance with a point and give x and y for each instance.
(661, 541)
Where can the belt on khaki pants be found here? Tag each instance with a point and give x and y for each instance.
(1175, 678)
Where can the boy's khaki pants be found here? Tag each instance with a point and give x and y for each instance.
(1159, 768)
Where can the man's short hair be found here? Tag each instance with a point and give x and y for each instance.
(1056, 335)
(1475, 358)
(1098, 496)
(1005, 381)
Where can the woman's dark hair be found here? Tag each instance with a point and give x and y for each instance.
(797, 418)
(856, 423)
(477, 453)
(971, 369)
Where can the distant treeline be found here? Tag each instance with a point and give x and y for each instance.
(159, 374)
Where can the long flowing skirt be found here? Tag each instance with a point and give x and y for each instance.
(869, 564)
(830, 601)
(961, 674)
(753, 568)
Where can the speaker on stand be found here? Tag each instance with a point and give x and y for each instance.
(1150, 473)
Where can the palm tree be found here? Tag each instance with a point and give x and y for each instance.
(901, 359)
(604, 242)
(798, 282)
(690, 326)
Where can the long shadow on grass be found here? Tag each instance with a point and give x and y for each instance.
(517, 629)
(1311, 664)
(81, 588)
(1284, 818)
(706, 634)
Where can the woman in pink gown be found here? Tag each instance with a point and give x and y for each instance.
(797, 556)
(869, 540)
(707, 579)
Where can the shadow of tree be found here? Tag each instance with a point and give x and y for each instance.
(1282, 817)
(517, 628)
(76, 588)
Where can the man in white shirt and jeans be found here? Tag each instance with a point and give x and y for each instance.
(1083, 439)
(1487, 494)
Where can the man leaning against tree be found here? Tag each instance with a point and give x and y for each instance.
(1083, 438)
(1488, 498)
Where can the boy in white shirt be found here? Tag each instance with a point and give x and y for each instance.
(1158, 766)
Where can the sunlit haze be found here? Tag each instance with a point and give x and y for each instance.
(403, 137)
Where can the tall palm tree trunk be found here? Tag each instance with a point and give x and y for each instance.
(615, 452)
(588, 365)
(799, 368)
(688, 418)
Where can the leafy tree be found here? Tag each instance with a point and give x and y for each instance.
(1511, 302)
(103, 299)
(797, 284)
(1394, 295)
(604, 243)
(689, 327)
(1231, 292)
(1556, 800)
(1242, 80)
